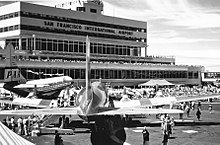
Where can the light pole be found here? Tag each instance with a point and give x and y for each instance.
(34, 37)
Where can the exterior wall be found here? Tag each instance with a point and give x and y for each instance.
(50, 11)
(154, 70)
(57, 24)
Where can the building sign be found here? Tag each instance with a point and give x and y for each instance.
(98, 29)
(71, 26)
(62, 25)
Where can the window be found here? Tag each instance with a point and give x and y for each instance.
(11, 28)
(6, 16)
(95, 48)
(76, 45)
(81, 9)
(196, 75)
(100, 48)
(44, 44)
(66, 46)
(38, 44)
(71, 46)
(80, 46)
(135, 52)
(11, 15)
(49, 45)
(5, 29)
(16, 14)
(60, 46)
(93, 10)
(23, 44)
(190, 75)
(54, 45)
(16, 27)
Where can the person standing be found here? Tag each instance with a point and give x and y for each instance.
(12, 123)
(198, 113)
(172, 123)
(165, 138)
(146, 137)
(25, 124)
(166, 131)
(199, 105)
(187, 109)
(57, 138)
(210, 108)
(19, 122)
(193, 106)
(5, 122)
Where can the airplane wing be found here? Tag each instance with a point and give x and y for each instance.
(75, 111)
(49, 111)
(37, 103)
(30, 86)
(138, 111)
(196, 98)
(172, 100)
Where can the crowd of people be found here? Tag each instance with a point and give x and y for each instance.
(23, 125)
(167, 127)
(158, 91)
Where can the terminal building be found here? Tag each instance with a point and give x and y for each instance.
(51, 41)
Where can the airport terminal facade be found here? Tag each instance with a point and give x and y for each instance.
(51, 41)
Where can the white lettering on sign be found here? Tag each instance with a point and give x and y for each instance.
(48, 23)
(12, 75)
(62, 25)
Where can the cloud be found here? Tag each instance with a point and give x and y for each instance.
(179, 40)
(181, 13)
(172, 36)
(128, 4)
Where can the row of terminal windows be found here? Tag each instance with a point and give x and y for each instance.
(70, 32)
(65, 19)
(9, 28)
(8, 16)
(72, 46)
(30, 73)
(212, 75)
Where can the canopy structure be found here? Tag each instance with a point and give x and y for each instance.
(8, 137)
(159, 82)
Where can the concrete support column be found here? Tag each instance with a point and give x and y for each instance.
(145, 51)
(132, 52)
(139, 51)
(34, 42)
(19, 43)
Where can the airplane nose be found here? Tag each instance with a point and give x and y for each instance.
(96, 98)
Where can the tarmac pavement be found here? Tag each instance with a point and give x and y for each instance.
(188, 131)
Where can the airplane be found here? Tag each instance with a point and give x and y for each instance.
(48, 88)
(93, 104)
(127, 93)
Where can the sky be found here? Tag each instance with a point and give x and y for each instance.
(189, 30)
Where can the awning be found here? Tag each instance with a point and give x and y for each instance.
(159, 82)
